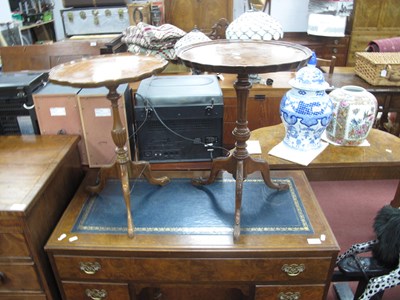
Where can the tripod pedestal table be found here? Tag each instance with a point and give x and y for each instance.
(242, 57)
(111, 71)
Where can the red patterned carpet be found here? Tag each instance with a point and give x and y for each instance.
(350, 207)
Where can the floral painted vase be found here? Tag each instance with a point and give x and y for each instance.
(306, 109)
(354, 112)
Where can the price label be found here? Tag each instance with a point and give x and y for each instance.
(57, 111)
(102, 112)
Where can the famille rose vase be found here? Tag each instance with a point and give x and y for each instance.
(354, 112)
(306, 109)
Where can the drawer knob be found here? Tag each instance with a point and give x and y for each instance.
(293, 269)
(289, 296)
(90, 268)
(96, 294)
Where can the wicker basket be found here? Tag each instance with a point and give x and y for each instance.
(379, 68)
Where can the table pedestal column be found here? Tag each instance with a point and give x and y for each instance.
(123, 168)
(240, 163)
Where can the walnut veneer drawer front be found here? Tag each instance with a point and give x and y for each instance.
(99, 291)
(289, 292)
(189, 270)
(13, 245)
(20, 276)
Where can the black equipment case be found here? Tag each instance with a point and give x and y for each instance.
(179, 118)
(17, 113)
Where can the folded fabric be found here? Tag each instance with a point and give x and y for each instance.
(384, 45)
(152, 37)
(168, 54)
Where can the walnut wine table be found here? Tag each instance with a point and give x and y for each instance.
(242, 57)
(111, 71)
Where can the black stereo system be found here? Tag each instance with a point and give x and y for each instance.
(179, 118)
(17, 112)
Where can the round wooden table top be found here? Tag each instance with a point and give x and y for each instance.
(106, 70)
(244, 56)
(384, 149)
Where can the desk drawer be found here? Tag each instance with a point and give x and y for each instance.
(19, 277)
(193, 270)
(88, 290)
(283, 292)
(21, 295)
(13, 245)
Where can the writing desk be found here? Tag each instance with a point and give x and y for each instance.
(193, 266)
(381, 160)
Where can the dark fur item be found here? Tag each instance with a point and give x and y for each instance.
(387, 230)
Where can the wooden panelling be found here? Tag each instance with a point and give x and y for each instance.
(186, 14)
(372, 20)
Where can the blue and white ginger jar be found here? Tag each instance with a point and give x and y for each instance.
(306, 109)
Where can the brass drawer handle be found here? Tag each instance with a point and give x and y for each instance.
(82, 14)
(289, 296)
(90, 268)
(96, 294)
(293, 269)
(70, 16)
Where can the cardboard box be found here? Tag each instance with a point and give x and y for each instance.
(57, 112)
(97, 123)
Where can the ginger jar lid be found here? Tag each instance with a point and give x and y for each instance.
(310, 78)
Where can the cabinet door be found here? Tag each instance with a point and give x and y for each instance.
(373, 15)
(186, 14)
(262, 111)
(372, 20)
(199, 292)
